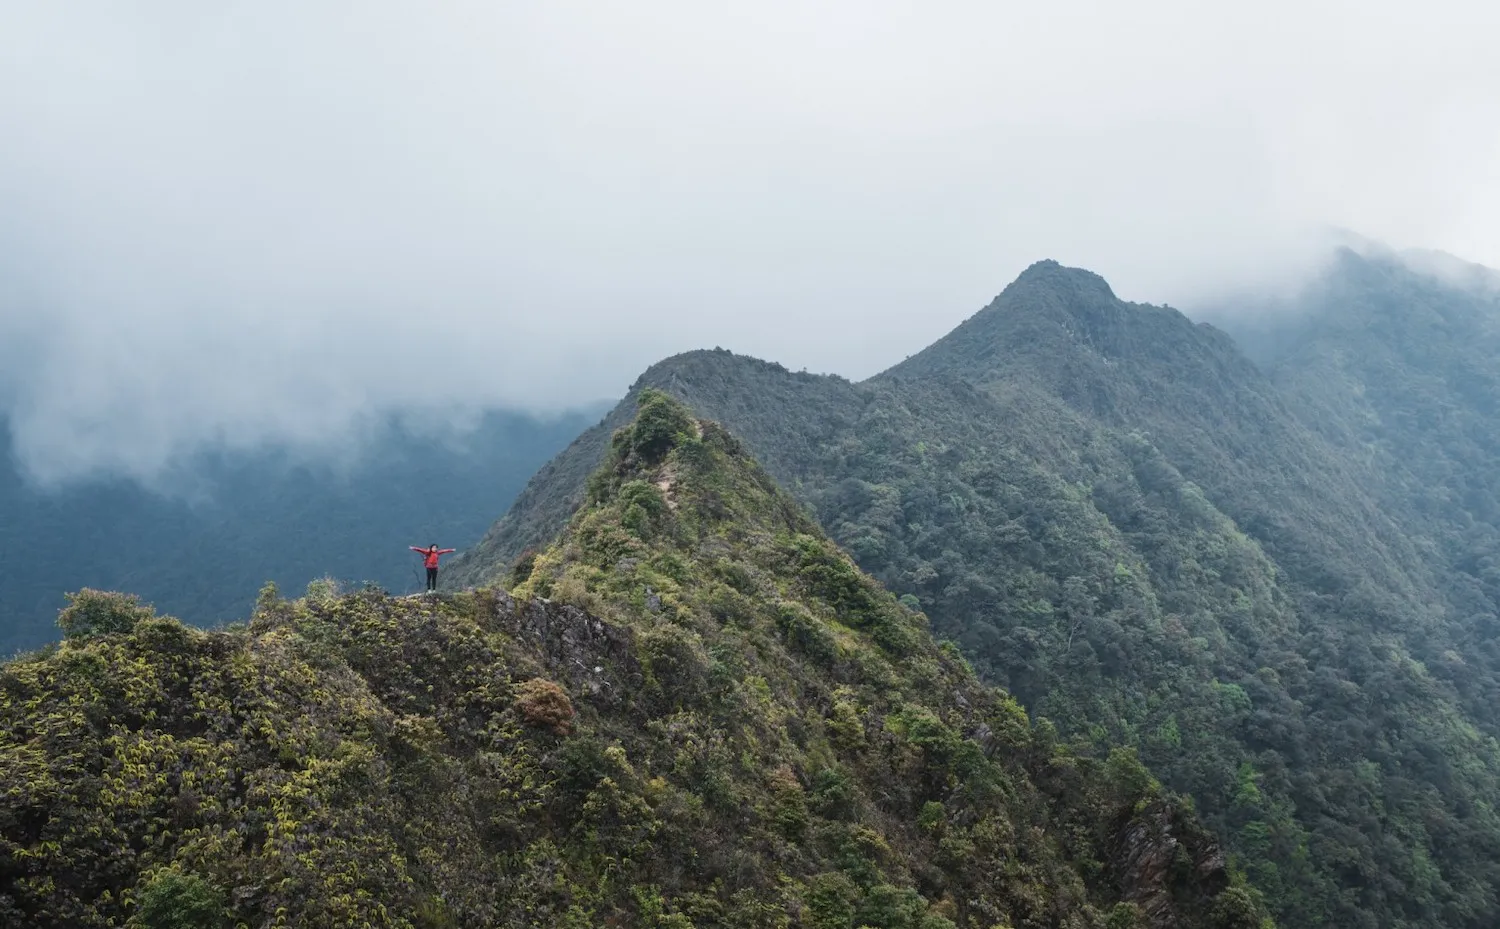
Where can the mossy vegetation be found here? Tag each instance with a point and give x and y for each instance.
(732, 727)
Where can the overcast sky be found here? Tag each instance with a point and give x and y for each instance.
(248, 221)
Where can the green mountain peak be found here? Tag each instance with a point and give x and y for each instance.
(1274, 581)
(691, 710)
(1067, 282)
(1062, 332)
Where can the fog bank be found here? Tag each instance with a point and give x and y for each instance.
(239, 223)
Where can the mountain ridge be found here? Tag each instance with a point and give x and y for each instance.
(693, 711)
(1142, 534)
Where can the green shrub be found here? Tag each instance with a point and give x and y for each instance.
(805, 634)
(97, 612)
(1126, 916)
(1238, 908)
(520, 571)
(834, 794)
(830, 901)
(643, 504)
(270, 608)
(932, 817)
(1128, 777)
(574, 591)
(657, 426)
(845, 725)
(729, 606)
(695, 454)
(891, 907)
(830, 576)
(176, 899)
(790, 803)
(676, 663)
(433, 913)
(322, 589)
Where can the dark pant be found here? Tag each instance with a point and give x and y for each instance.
(432, 578)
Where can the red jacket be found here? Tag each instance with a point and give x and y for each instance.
(430, 557)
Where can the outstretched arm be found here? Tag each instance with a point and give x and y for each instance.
(446, 551)
(420, 550)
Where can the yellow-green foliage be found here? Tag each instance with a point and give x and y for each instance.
(751, 733)
(97, 612)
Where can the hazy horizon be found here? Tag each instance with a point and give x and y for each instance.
(247, 223)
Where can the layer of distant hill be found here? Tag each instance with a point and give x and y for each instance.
(248, 518)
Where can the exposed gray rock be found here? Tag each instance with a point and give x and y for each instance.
(592, 656)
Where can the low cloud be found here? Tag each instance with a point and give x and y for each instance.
(240, 223)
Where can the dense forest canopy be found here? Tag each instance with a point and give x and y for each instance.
(1271, 565)
(691, 709)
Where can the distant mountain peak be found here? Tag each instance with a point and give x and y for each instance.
(689, 363)
(1064, 280)
(1065, 329)
(1149, 539)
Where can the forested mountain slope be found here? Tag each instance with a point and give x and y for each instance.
(1152, 541)
(241, 519)
(1397, 364)
(1224, 424)
(715, 720)
(755, 394)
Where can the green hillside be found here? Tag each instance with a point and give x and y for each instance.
(1400, 370)
(693, 710)
(1153, 541)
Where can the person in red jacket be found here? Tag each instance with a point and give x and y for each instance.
(430, 556)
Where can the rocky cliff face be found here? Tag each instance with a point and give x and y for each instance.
(591, 657)
(1158, 856)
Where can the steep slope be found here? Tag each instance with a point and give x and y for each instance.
(1123, 520)
(719, 385)
(1396, 362)
(259, 516)
(1223, 423)
(715, 720)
